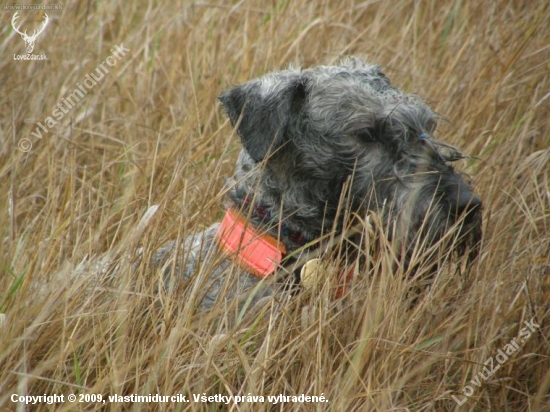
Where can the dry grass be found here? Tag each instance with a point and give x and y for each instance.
(151, 132)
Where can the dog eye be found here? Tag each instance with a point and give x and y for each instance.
(365, 135)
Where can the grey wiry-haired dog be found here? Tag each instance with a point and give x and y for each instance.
(307, 136)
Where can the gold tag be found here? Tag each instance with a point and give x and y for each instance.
(310, 273)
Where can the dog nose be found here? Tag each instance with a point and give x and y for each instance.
(466, 204)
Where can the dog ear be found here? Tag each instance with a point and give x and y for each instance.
(262, 111)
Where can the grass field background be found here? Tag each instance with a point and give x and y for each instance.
(151, 132)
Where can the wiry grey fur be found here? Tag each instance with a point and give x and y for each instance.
(305, 134)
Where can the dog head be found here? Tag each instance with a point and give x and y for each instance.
(319, 131)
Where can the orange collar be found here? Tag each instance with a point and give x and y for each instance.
(260, 254)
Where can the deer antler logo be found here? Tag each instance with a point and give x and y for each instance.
(29, 40)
